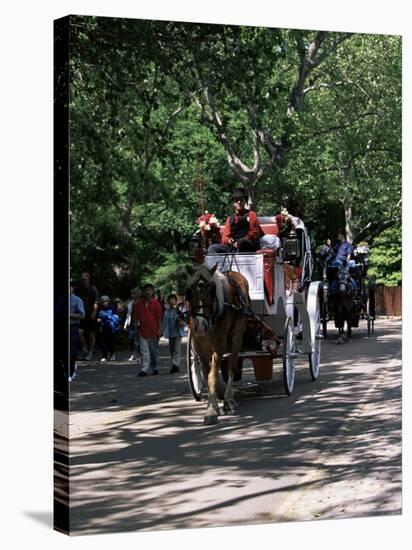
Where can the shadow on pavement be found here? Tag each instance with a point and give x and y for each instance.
(158, 467)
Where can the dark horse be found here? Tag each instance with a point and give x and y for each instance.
(342, 301)
(217, 326)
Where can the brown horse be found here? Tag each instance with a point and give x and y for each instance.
(217, 325)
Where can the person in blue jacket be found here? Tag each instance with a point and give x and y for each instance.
(173, 329)
(109, 322)
(341, 258)
(77, 313)
(342, 251)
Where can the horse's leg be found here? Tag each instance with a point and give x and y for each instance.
(205, 362)
(220, 388)
(212, 411)
(349, 315)
(204, 356)
(229, 404)
(338, 321)
(341, 324)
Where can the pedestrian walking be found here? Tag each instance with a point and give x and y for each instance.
(108, 321)
(149, 319)
(76, 315)
(131, 326)
(88, 326)
(173, 329)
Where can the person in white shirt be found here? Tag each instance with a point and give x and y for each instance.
(130, 325)
(173, 329)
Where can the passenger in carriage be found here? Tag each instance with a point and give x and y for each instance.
(242, 232)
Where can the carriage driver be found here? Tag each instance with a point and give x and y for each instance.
(342, 251)
(242, 231)
(341, 255)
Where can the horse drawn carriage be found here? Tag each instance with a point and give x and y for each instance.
(348, 295)
(281, 319)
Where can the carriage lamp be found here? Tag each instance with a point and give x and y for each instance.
(291, 247)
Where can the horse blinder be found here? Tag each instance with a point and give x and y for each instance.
(201, 293)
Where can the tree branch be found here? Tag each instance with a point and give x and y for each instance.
(323, 85)
(338, 39)
(337, 127)
(262, 135)
(246, 174)
(309, 62)
(373, 229)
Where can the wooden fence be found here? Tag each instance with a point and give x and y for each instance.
(388, 301)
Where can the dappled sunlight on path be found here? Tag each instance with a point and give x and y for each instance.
(332, 449)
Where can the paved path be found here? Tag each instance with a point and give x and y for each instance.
(142, 459)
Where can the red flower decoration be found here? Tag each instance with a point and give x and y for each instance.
(208, 222)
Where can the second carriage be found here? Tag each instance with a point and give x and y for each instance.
(286, 304)
(363, 296)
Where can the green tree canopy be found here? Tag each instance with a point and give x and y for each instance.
(309, 120)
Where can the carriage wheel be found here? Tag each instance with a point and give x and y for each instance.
(314, 357)
(324, 303)
(314, 311)
(324, 320)
(289, 354)
(194, 370)
(371, 311)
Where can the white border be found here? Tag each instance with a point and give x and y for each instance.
(26, 265)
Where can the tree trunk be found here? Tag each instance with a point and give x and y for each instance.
(348, 221)
(346, 196)
(175, 240)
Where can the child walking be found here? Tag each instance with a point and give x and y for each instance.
(108, 321)
(173, 329)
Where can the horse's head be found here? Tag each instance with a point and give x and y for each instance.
(344, 285)
(201, 295)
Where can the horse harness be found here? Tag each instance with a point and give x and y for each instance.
(344, 282)
(241, 305)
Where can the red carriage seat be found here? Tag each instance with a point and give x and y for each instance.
(270, 228)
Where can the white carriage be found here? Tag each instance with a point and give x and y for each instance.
(286, 302)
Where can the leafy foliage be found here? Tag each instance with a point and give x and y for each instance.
(386, 258)
(166, 118)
